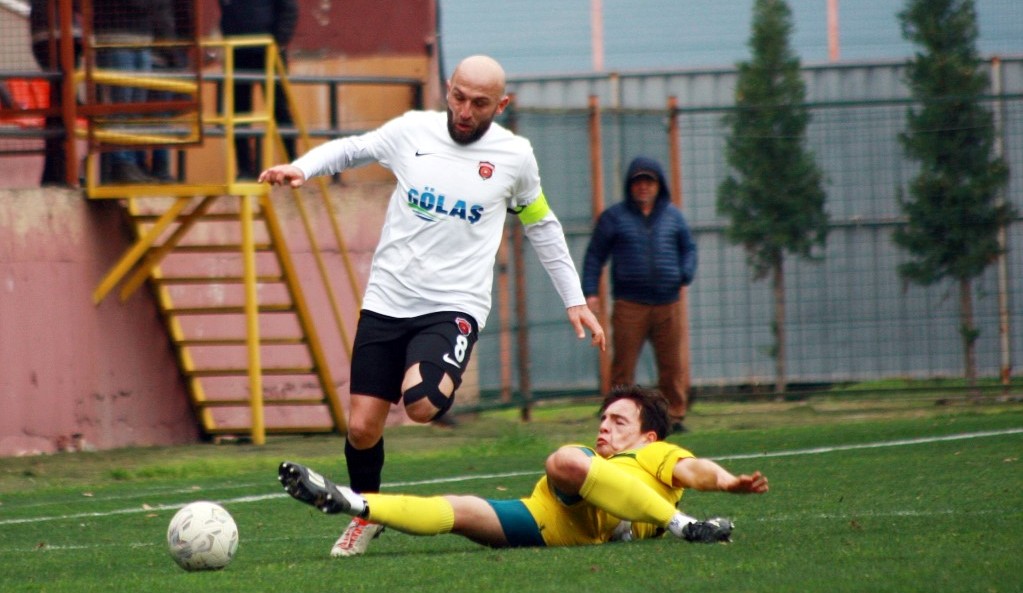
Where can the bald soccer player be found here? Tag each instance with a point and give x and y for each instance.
(458, 175)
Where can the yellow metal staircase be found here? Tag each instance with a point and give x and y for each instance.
(216, 259)
(236, 315)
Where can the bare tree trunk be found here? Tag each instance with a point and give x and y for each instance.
(968, 333)
(778, 287)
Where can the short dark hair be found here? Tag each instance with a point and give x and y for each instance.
(653, 408)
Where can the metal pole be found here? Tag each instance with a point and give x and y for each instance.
(597, 182)
(231, 162)
(521, 306)
(68, 102)
(270, 68)
(678, 197)
(1004, 318)
(834, 49)
(252, 322)
(504, 315)
(505, 293)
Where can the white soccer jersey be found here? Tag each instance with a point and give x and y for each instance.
(446, 215)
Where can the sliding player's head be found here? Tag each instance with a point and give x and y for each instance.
(475, 97)
(631, 417)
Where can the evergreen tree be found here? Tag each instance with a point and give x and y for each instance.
(773, 196)
(952, 212)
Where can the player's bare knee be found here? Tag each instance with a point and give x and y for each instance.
(430, 398)
(363, 435)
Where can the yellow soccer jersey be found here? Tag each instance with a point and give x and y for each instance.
(568, 521)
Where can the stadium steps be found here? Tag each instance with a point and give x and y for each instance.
(236, 363)
(213, 253)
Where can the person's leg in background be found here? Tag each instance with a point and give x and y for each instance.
(629, 329)
(247, 61)
(666, 333)
(123, 165)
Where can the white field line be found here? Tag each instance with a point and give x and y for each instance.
(879, 445)
(499, 475)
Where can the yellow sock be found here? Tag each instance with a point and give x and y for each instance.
(416, 515)
(613, 490)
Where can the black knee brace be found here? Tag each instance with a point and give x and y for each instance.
(429, 388)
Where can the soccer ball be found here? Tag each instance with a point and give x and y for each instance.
(202, 536)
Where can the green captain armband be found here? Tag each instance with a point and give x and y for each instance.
(535, 211)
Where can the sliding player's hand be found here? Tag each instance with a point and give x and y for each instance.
(747, 484)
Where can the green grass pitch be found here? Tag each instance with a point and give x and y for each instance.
(868, 493)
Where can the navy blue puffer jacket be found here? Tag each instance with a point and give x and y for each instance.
(652, 257)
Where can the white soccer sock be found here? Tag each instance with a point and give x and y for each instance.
(355, 501)
(678, 523)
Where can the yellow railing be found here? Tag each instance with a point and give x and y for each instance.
(142, 260)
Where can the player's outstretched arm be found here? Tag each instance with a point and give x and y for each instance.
(583, 319)
(283, 174)
(704, 474)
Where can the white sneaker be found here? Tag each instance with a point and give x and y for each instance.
(355, 538)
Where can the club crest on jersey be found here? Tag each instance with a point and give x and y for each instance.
(486, 170)
(463, 325)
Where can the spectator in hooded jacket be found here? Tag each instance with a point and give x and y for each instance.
(652, 257)
(277, 18)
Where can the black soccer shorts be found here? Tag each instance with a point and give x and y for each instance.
(385, 347)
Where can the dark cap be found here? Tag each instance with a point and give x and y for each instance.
(643, 173)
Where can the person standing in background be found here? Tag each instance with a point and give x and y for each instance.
(277, 18)
(170, 60)
(128, 28)
(652, 257)
(44, 22)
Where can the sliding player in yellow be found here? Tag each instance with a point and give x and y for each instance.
(624, 487)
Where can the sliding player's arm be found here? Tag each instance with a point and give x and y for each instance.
(706, 475)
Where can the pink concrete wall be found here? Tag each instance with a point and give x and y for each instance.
(107, 373)
(73, 374)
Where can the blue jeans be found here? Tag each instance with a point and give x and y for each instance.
(136, 60)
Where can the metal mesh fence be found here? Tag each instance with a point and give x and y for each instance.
(850, 316)
(132, 78)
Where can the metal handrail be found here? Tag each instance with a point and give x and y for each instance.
(333, 84)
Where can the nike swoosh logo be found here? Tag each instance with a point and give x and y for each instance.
(447, 358)
(424, 153)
